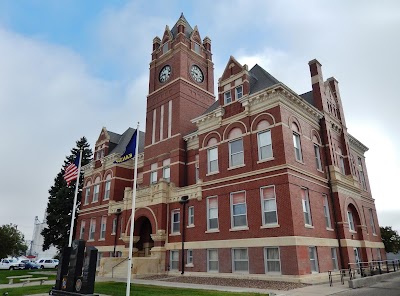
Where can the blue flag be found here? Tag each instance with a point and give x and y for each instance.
(129, 150)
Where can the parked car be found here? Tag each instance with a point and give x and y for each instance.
(47, 263)
(31, 265)
(11, 264)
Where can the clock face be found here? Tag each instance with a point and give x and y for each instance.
(196, 73)
(165, 73)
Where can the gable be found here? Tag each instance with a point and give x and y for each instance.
(232, 68)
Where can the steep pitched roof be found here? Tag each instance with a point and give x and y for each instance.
(124, 139)
(308, 96)
(260, 79)
(188, 28)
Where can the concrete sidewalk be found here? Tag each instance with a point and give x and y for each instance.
(313, 290)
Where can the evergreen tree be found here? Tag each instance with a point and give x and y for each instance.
(61, 199)
(12, 241)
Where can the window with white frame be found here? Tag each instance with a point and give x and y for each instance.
(191, 216)
(99, 256)
(174, 260)
(236, 155)
(327, 212)
(212, 155)
(313, 259)
(87, 193)
(240, 260)
(264, 145)
(166, 169)
(227, 97)
(238, 209)
(306, 206)
(334, 259)
(317, 157)
(153, 173)
(350, 220)
(212, 213)
(82, 231)
(96, 190)
(175, 221)
(239, 92)
(341, 161)
(371, 217)
(296, 142)
(212, 260)
(189, 257)
(92, 228)
(103, 227)
(268, 205)
(272, 259)
(107, 188)
(197, 48)
(114, 226)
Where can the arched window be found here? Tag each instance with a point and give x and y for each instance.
(341, 161)
(317, 153)
(296, 142)
(107, 187)
(96, 190)
(264, 140)
(212, 156)
(236, 155)
(87, 192)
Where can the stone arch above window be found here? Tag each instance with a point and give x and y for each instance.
(88, 183)
(235, 133)
(108, 177)
(212, 141)
(238, 126)
(97, 180)
(207, 141)
(315, 137)
(295, 127)
(262, 121)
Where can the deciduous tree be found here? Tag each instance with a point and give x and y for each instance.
(12, 241)
(390, 239)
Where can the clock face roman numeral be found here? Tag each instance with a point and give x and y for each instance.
(165, 73)
(196, 74)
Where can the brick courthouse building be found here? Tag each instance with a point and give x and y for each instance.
(276, 186)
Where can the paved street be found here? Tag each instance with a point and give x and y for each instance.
(390, 287)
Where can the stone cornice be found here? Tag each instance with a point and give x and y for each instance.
(357, 144)
(215, 114)
(190, 136)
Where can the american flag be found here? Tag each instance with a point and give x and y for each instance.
(71, 172)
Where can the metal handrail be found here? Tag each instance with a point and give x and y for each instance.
(342, 274)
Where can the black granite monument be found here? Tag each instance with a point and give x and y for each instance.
(77, 270)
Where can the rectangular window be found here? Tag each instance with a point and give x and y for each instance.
(236, 156)
(268, 205)
(191, 216)
(107, 190)
(99, 256)
(297, 147)
(197, 48)
(317, 157)
(174, 260)
(212, 213)
(361, 175)
(87, 195)
(153, 173)
(166, 170)
(240, 260)
(165, 47)
(350, 220)
(227, 97)
(96, 193)
(212, 155)
(189, 257)
(197, 171)
(379, 254)
(306, 206)
(212, 260)
(264, 145)
(313, 259)
(114, 226)
(238, 209)
(103, 227)
(371, 217)
(92, 228)
(239, 92)
(175, 221)
(334, 259)
(82, 232)
(341, 164)
(272, 260)
(326, 212)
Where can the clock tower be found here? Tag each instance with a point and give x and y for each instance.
(181, 87)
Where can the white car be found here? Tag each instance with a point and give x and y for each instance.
(47, 263)
(11, 264)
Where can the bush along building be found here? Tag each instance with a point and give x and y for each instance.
(275, 185)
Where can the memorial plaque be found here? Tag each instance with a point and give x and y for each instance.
(75, 263)
(89, 270)
(62, 268)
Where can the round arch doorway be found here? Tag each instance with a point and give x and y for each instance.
(143, 230)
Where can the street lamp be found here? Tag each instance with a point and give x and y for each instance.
(184, 200)
(117, 213)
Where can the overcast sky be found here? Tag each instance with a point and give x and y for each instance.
(68, 68)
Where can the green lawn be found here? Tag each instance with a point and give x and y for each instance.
(36, 273)
(119, 289)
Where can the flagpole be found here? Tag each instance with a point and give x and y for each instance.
(75, 198)
(128, 282)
